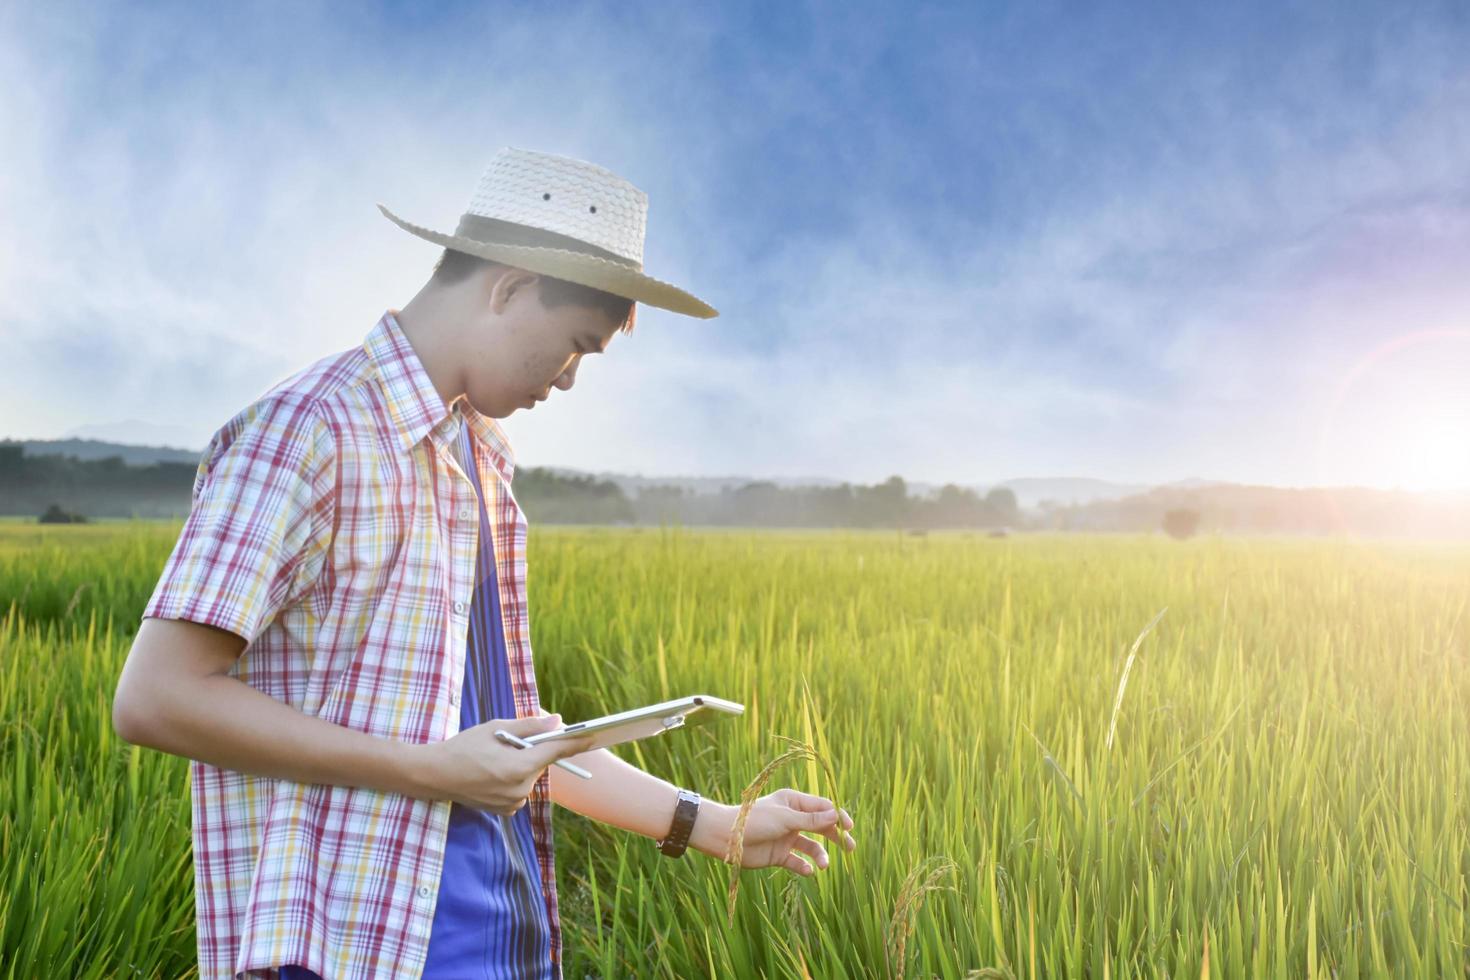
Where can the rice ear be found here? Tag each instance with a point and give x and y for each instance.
(910, 900)
(735, 847)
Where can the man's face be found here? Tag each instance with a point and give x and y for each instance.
(537, 349)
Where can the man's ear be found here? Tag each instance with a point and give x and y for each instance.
(509, 283)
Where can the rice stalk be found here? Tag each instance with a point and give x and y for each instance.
(75, 597)
(910, 899)
(1127, 667)
(1056, 767)
(736, 848)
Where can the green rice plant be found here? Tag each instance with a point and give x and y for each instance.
(1275, 787)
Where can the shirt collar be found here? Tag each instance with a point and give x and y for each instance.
(417, 408)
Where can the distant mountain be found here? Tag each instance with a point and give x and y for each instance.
(89, 449)
(1194, 483)
(131, 432)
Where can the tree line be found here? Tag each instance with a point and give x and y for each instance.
(30, 485)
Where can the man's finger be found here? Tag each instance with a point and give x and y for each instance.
(813, 848)
(819, 821)
(797, 864)
(808, 801)
(548, 752)
(837, 830)
(573, 746)
(530, 725)
(835, 835)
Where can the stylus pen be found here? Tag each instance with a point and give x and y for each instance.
(519, 742)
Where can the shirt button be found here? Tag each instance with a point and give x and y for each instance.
(425, 891)
(464, 514)
(454, 697)
(459, 607)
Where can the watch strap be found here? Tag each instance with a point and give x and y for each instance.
(677, 840)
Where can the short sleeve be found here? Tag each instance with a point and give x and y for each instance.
(260, 525)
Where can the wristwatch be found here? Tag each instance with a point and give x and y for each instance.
(678, 837)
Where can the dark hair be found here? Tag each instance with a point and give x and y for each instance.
(455, 265)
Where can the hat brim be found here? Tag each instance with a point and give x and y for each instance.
(560, 263)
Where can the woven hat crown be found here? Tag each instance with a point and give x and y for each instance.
(565, 196)
(563, 218)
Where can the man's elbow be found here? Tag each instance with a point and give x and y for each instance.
(168, 656)
(129, 718)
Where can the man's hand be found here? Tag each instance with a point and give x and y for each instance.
(474, 768)
(776, 827)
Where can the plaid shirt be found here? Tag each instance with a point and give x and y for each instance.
(334, 531)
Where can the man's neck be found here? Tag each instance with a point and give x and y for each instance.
(427, 321)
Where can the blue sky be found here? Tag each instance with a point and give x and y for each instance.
(969, 243)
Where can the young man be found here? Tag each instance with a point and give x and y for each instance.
(342, 625)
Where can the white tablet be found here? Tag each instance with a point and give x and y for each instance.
(643, 722)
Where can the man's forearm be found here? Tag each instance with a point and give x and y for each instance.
(229, 724)
(625, 796)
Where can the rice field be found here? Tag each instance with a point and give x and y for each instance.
(1278, 789)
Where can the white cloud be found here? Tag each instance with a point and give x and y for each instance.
(1176, 306)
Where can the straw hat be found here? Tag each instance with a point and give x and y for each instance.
(563, 218)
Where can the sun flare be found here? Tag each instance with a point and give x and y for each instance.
(1401, 417)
